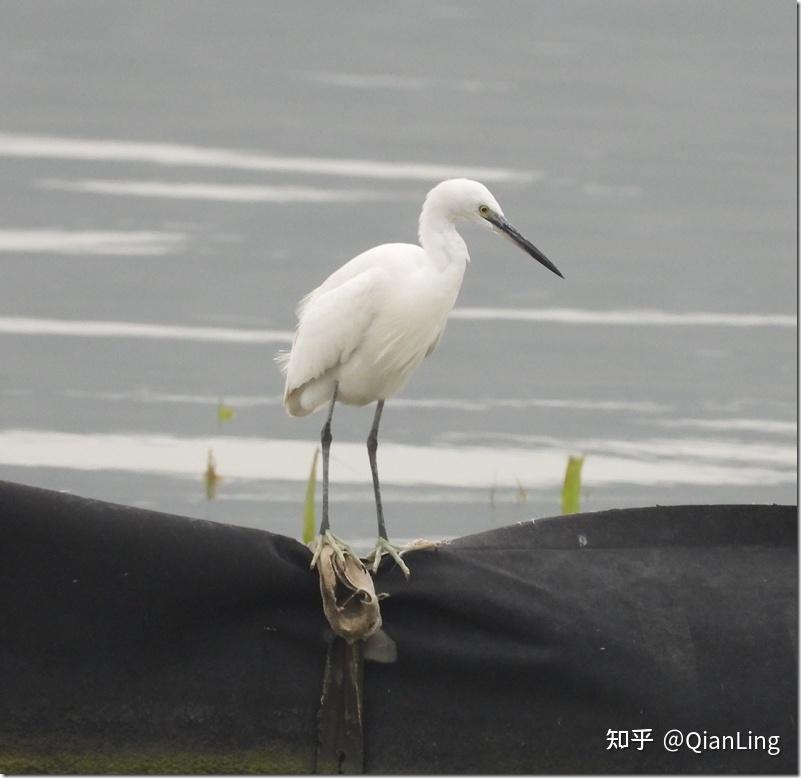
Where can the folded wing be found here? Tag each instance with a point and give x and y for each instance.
(332, 323)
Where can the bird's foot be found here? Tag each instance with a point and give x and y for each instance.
(383, 546)
(328, 538)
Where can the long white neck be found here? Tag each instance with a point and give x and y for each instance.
(439, 238)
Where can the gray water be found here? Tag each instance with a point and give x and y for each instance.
(191, 165)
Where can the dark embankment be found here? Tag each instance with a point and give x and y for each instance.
(134, 641)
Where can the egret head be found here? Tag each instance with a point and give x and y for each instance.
(460, 199)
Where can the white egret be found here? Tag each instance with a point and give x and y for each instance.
(366, 328)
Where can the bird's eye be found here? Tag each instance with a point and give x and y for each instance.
(484, 210)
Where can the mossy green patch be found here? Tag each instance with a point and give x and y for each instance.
(150, 760)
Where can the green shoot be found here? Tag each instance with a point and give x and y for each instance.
(571, 490)
(521, 497)
(224, 413)
(309, 519)
(211, 478)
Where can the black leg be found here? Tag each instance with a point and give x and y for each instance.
(372, 448)
(325, 439)
(382, 545)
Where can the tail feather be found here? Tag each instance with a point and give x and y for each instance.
(292, 403)
(310, 396)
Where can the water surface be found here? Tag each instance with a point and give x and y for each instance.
(175, 177)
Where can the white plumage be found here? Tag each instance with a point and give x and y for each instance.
(370, 324)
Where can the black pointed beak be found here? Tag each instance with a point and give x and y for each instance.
(507, 229)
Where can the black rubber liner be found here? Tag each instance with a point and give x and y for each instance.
(135, 642)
